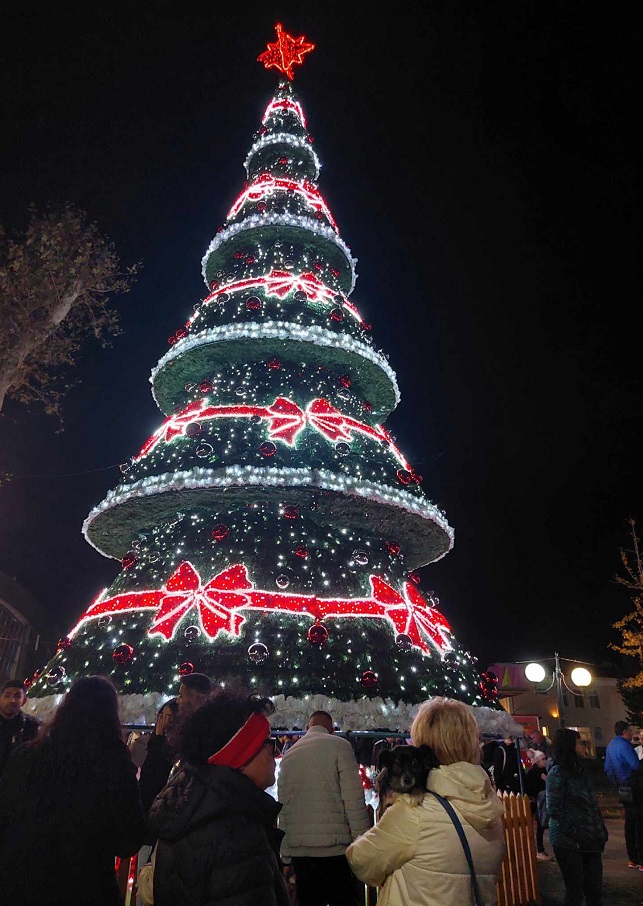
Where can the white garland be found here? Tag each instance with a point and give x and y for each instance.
(286, 139)
(363, 714)
(276, 330)
(256, 221)
(271, 476)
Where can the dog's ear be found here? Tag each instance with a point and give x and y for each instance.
(386, 759)
(427, 757)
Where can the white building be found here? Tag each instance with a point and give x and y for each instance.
(592, 710)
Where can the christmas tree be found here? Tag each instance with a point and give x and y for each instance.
(271, 529)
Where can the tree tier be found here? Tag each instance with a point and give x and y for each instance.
(262, 237)
(290, 596)
(195, 357)
(417, 525)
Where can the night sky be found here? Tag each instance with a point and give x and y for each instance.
(481, 164)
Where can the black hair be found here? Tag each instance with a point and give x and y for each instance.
(620, 727)
(14, 684)
(215, 723)
(565, 753)
(199, 682)
(172, 704)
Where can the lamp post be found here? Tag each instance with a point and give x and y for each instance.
(580, 677)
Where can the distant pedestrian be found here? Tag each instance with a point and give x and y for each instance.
(621, 761)
(577, 831)
(508, 772)
(535, 789)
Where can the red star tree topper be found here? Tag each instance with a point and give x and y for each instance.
(286, 52)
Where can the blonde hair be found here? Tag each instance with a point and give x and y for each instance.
(449, 728)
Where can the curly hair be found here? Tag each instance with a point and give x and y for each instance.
(215, 723)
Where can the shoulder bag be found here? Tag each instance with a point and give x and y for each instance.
(465, 843)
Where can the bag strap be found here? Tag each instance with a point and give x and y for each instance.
(465, 843)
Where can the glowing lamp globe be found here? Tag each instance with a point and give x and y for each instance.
(535, 673)
(581, 676)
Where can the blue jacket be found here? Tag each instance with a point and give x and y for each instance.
(620, 761)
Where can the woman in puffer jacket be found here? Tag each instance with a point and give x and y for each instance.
(414, 853)
(577, 831)
(218, 842)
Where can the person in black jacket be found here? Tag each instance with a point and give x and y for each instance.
(507, 768)
(69, 805)
(161, 754)
(15, 726)
(216, 827)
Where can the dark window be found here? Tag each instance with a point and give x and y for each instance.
(594, 701)
(598, 733)
(579, 701)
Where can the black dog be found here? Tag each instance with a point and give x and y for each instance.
(403, 769)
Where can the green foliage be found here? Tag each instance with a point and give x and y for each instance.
(56, 280)
(631, 625)
(633, 700)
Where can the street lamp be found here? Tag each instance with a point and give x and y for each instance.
(580, 677)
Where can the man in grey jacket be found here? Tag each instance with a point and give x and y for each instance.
(323, 812)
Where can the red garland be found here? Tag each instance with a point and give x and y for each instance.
(285, 420)
(219, 601)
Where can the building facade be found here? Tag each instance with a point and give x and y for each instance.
(592, 710)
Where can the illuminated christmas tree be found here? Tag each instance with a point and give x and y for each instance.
(271, 529)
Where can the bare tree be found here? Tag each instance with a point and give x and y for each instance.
(56, 280)
(631, 625)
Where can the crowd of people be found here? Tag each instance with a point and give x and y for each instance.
(190, 798)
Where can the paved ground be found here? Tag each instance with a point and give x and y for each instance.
(621, 885)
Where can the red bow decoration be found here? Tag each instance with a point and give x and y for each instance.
(219, 601)
(286, 420)
(411, 616)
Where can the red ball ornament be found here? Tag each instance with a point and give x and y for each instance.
(27, 681)
(301, 551)
(393, 548)
(129, 560)
(63, 643)
(37, 674)
(317, 265)
(345, 380)
(205, 386)
(180, 333)
(291, 512)
(238, 255)
(253, 303)
(334, 272)
(367, 406)
(404, 476)
(415, 578)
(268, 449)
(171, 340)
(283, 161)
(250, 259)
(369, 679)
(193, 429)
(274, 363)
(220, 532)
(318, 635)
(123, 654)
(336, 314)
(417, 479)
(214, 285)
(186, 668)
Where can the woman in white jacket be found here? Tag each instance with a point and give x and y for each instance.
(414, 853)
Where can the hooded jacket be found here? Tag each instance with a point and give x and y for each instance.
(414, 853)
(217, 841)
